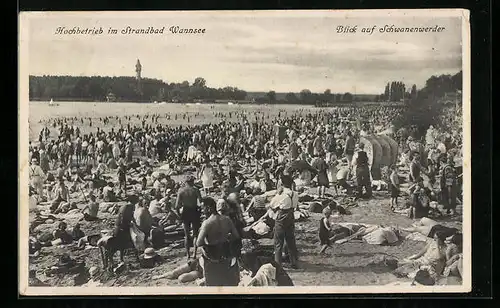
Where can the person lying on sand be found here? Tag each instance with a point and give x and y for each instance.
(372, 234)
(429, 227)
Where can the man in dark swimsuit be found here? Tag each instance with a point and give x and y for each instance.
(218, 238)
(187, 199)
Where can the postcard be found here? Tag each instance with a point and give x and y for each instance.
(244, 152)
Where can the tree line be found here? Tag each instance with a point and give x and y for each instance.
(435, 86)
(306, 97)
(423, 107)
(97, 88)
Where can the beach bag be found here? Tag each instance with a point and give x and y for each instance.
(138, 237)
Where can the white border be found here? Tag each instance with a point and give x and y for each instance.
(23, 115)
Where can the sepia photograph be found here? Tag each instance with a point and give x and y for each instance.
(244, 152)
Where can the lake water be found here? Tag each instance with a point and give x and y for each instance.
(41, 111)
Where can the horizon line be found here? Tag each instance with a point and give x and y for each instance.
(190, 83)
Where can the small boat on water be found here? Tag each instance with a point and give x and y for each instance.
(51, 103)
(162, 103)
(230, 103)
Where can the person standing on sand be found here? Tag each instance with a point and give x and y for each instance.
(37, 177)
(448, 183)
(349, 147)
(123, 222)
(320, 165)
(415, 168)
(216, 238)
(318, 144)
(206, 175)
(284, 205)
(360, 162)
(293, 150)
(143, 218)
(187, 200)
(394, 187)
(44, 160)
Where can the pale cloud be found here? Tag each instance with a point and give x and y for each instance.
(253, 52)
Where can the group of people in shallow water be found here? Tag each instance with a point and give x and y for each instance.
(227, 158)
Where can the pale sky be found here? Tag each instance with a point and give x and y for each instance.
(252, 51)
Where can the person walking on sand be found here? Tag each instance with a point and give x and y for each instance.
(325, 230)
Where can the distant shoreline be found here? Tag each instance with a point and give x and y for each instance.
(235, 103)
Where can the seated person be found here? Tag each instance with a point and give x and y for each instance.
(269, 183)
(454, 256)
(77, 233)
(108, 193)
(419, 199)
(90, 211)
(257, 207)
(254, 260)
(432, 258)
(89, 239)
(156, 205)
(76, 180)
(65, 207)
(169, 182)
(61, 195)
(61, 235)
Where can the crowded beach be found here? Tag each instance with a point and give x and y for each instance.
(245, 199)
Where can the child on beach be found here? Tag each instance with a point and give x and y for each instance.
(394, 187)
(324, 230)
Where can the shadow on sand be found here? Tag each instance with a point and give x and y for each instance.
(318, 268)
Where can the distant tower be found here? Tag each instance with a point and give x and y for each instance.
(138, 69)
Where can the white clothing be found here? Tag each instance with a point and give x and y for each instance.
(207, 177)
(288, 199)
